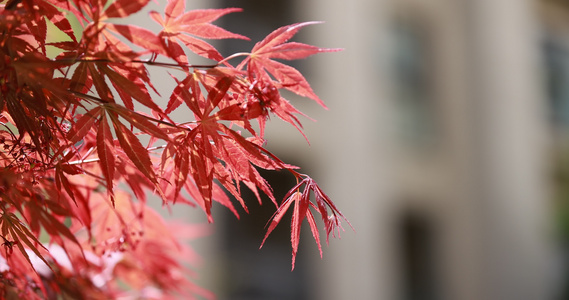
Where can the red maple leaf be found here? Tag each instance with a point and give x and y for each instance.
(261, 61)
(183, 27)
(331, 216)
(82, 132)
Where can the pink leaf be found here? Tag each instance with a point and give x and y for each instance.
(123, 8)
(105, 149)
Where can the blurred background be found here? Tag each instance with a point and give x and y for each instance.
(446, 145)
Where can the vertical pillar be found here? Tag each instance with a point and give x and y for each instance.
(351, 138)
(509, 136)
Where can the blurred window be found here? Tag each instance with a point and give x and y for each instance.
(411, 73)
(556, 56)
(419, 259)
(555, 51)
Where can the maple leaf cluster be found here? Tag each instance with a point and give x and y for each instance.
(82, 141)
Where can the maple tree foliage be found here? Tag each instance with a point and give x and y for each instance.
(83, 140)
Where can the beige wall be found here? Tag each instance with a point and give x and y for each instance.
(484, 182)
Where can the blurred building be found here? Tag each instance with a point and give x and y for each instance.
(447, 121)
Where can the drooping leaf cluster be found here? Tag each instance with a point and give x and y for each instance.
(78, 129)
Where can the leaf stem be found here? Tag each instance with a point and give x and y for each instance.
(147, 62)
(233, 56)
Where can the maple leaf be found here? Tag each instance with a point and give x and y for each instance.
(71, 143)
(134, 149)
(124, 8)
(139, 36)
(129, 88)
(181, 26)
(80, 129)
(331, 216)
(106, 152)
(260, 62)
